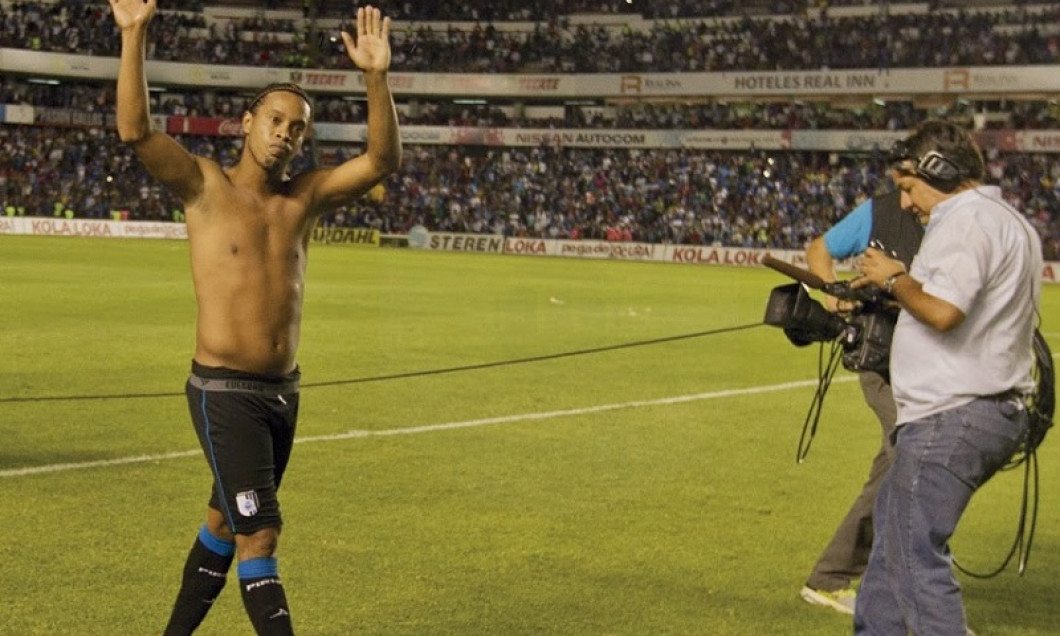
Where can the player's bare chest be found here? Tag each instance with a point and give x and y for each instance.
(263, 213)
(255, 227)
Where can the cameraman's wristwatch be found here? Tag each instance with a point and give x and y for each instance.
(888, 285)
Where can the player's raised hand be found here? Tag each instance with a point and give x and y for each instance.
(371, 49)
(131, 13)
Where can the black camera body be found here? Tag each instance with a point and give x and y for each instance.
(867, 341)
(865, 335)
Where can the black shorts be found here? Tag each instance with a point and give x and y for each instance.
(245, 423)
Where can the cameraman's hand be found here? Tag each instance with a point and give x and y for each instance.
(840, 306)
(846, 307)
(876, 267)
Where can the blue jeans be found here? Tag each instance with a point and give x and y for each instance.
(909, 586)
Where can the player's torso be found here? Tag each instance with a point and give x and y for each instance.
(248, 259)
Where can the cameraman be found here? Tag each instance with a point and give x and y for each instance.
(961, 363)
(882, 221)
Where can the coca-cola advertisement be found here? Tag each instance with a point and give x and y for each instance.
(208, 126)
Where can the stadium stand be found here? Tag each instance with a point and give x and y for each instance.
(573, 43)
(67, 162)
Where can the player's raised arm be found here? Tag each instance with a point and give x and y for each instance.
(370, 52)
(163, 157)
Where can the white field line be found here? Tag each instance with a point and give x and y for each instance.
(430, 428)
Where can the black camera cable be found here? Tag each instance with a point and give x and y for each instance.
(1024, 531)
(412, 374)
(826, 369)
(1040, 407)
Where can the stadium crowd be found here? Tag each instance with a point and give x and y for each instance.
(753, 199)
(1004, 36)
(791, 115)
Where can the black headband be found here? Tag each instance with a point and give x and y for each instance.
(287, 87)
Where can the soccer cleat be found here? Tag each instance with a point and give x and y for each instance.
(839, 600)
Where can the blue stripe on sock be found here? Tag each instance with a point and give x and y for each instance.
(213, 544)
(258, 568)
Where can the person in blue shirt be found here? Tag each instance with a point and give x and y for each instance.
(878, 221)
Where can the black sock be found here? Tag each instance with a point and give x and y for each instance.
(263, 597)
(204, 577)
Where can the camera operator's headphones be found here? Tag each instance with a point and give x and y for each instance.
(938, 170)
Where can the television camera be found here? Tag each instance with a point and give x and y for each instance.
(864, 334)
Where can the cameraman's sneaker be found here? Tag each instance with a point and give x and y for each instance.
(839, 600)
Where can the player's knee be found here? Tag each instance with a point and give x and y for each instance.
(261, 543)
(218, 527)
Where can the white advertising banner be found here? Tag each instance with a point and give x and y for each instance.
(1037, 140)
(42, 226)
(735, 140)
(851, 140)
(876, 82)
(997, 80)
(586, 138)
(454, 242)
(468, 136)
(663, 253)
(16, 114)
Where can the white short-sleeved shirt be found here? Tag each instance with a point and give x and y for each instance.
(984, 258)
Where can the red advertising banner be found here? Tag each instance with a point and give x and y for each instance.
(205, 126)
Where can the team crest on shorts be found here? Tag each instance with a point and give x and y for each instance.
(247, 502)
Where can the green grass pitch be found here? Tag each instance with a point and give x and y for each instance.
(639, 491)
